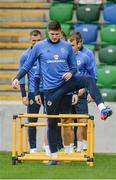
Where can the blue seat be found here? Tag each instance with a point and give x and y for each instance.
(109, 13)
(88, 31)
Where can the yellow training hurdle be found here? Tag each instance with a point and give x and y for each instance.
(20, 135)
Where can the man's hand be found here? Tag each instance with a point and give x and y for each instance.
(74, 99)
(25, 100)
(89, 98)
(38, 99)
(67, 76)
(81, 92)
(15, 83)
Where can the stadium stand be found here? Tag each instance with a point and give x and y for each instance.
(108, 55)
(90, 1)
(57, 12)
(17, 19)
(108, 94)
(88, 13)
(93, 18)
(88, 31)
(107, 82)
(114, 1)
(106, 76)
(108, 34)
(109, 11)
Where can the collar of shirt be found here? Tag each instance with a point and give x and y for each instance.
(49, 40)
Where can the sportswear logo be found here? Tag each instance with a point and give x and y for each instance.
(49, 103)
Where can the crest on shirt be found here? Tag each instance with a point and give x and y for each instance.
(78, 62)
(49, 103)
(62, 50)
(31, 102)
(56, 57)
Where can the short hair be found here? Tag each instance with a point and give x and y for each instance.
(76, 36)
(64, 35)
(35, 32)
(54, 25)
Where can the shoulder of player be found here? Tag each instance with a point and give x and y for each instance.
(83, 55)
(65, 43)
(88, 51)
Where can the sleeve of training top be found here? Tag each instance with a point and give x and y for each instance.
(91, 66)
(33, 56)
(22, 89)
(72, 60)
(37, 80)
(22, 80)
(21, 63)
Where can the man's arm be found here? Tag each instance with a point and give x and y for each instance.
(72, 61)
(22, 60)
(27, 66)
(37, 85)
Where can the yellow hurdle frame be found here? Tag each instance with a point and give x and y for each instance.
(20, 135)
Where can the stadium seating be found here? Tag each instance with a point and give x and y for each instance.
(106, 76)
(91, 47)
(62, 1)
(88, 13)
(108, 34)
(22, 4)
(88, 31)
(109, 11)
(108, 55)
(114, 1)
(66, 28)
(62, 12)
(90, 1)
(18, 18)
(108, 94)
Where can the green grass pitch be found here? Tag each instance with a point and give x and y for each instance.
(104, 168)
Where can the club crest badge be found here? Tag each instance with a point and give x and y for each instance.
(78, 62)
(31, 102)
(62, 50)
(49, 103)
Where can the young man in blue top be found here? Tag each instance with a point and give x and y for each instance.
(29, 100)
(86, 66)
(57, 71)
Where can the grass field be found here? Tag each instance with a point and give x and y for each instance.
(104, 168)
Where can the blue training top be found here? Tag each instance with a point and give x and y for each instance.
(54, 60)
(85, 65)
(91, 61)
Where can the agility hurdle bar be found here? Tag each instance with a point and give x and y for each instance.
(20, 129)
